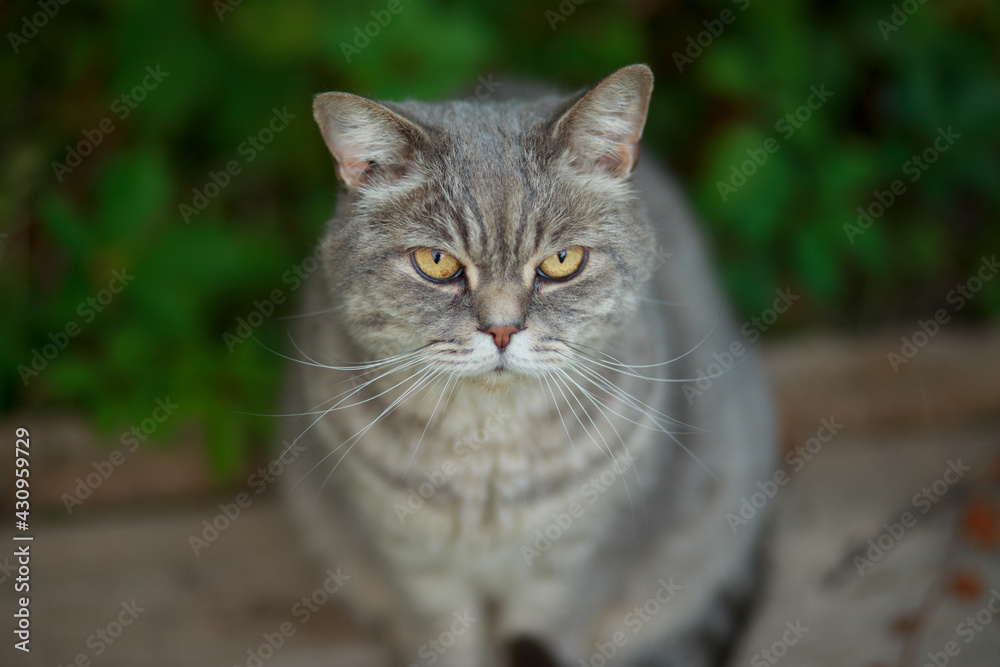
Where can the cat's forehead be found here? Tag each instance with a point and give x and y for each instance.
(488, 190)
(490, 139)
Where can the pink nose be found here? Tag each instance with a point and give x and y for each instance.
(501, 334)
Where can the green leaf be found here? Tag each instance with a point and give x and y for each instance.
(133, 189)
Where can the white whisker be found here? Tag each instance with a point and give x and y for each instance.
(612, 389)
(358, 365)
(610, 452)
(679, 304)
(555, 401)
(632, 367)
(324, 413)
(349, 392)
(600, 407)
(420, 383)
(352, 366)
(645, 411)
(426, 426)
(317, 312)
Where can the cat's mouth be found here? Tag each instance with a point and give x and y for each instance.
(498, 377)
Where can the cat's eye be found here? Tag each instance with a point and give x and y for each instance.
(563, 264)
(436, 265)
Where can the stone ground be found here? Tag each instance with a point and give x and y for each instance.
(864, 583)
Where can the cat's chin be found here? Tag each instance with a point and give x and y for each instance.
(497, 380)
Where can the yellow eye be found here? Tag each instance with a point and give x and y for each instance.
(564, 263)
(436, 265)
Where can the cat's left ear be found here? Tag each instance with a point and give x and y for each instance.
(602, 129)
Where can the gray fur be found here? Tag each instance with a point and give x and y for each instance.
(509, 440)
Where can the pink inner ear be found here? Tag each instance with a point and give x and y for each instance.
(622, 161)
(627, 150)
(618, 146)
(361, 163)
(353, 171)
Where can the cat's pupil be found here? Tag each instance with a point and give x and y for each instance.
(436, 255)
(562, 256)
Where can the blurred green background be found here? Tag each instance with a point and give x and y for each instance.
(224, 67)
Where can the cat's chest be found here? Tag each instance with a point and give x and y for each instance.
(503, 499)
(491, 478)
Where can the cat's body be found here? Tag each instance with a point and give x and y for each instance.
(510, 493)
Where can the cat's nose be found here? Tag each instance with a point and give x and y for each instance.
(501, 333)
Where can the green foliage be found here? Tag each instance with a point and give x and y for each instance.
(229, 68)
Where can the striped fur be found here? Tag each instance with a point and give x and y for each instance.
(578, 429)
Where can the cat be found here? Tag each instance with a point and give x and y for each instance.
(524, 409)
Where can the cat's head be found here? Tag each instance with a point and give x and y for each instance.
(499, 237)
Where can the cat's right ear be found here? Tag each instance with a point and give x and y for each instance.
(369, 142)
(602, 128)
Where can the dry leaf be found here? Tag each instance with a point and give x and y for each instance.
(965, 585)
(981, 523)
(903, 625)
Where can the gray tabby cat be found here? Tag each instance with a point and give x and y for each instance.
(503, 436)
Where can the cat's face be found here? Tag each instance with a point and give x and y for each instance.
(499, 239)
